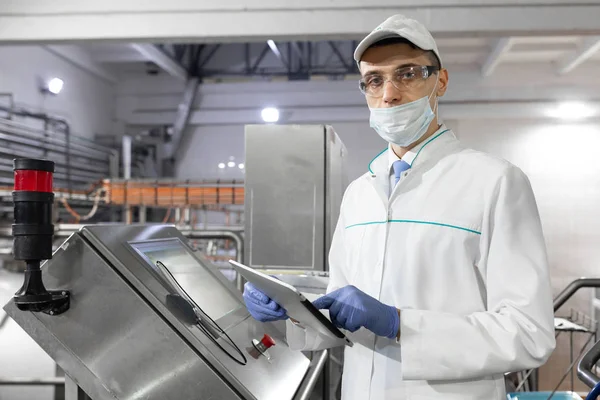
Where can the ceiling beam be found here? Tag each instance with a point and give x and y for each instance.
(210, 55)
(158, 57)
(273, 46)
(298, 50)
(501, 47)
(81, 59)
(339, 55)
(239, 21)
(259, 59)
(589, 47)
(182, 116)
(127, 55)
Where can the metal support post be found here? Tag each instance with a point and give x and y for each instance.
(143, 214)
(73, 391)
(127, 141)
(113, 164)
(128, 215)
(187, 216)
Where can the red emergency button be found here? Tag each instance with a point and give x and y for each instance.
(267, 341)
(262, 347)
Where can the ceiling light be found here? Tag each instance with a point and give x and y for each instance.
(55, 85)
(270, 114)
(221, 165)
(241, 166)
(231, 164)
(571, 111)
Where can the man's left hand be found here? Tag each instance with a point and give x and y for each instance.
(350, 309)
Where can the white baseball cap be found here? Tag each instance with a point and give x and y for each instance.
(399, 26)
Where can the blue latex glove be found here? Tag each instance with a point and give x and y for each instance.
(350, 309)
(262, 307)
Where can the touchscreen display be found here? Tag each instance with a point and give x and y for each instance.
(197, 281)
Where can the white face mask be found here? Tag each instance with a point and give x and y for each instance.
(403, 125)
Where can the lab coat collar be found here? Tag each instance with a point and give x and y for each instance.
(409, 156)
(426, 151)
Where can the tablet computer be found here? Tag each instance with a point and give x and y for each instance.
(297, 306)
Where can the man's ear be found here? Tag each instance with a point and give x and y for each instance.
(442, 83)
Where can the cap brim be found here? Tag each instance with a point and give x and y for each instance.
(371, 39)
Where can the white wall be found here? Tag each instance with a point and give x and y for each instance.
(87, 101)
(196, 160)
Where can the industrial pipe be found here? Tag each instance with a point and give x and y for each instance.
(25, 131)
(46, 118)
(312, 375)
(586, 364)
(33, 141)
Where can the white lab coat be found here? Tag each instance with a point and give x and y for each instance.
(458, 248)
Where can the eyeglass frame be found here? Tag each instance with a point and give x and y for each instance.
(428, 69)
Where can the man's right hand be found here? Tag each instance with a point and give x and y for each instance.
(262, 307)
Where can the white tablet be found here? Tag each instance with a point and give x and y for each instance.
(297, 306)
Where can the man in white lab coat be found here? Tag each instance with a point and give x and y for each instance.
(438, 264)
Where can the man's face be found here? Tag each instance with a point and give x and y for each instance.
(381, 64)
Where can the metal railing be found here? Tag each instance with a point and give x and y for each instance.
(572, 288)
(529, 380)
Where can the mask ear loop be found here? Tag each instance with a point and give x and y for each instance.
(435, 110)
